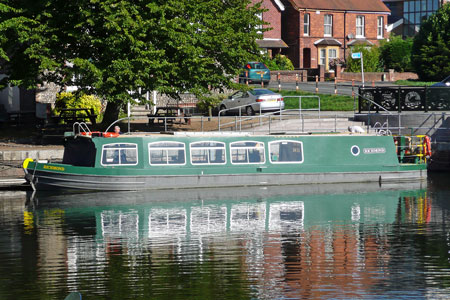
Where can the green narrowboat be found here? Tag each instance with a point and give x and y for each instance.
(218, 159)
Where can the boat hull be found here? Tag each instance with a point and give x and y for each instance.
(42, 180)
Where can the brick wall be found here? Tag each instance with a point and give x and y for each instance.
(273, 17)
(377, 76)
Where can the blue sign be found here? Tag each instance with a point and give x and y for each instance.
(356, 55)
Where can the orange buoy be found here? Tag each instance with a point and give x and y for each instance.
(110, 134)
(427, 145)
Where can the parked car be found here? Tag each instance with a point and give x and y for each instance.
(443, 83)
(255, 72)
(251, 101)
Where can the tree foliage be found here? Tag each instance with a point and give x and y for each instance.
(396, 53)
(431, 46)
(371, 59)
(121, 49)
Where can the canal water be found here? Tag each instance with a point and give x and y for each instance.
(354, 241)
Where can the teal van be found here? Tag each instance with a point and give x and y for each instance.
(255, 72)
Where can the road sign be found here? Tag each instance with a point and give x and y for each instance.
(356, 55)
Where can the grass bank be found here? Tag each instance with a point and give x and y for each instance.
(412, 82)
(327, 102)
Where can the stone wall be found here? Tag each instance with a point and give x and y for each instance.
(46, 93)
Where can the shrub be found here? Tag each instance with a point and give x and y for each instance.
(396, 53)
(208, 103)
(371, 60)
(279, 62)
(69, 100)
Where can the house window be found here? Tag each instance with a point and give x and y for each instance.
(380, 24)
(306, 24)
(359, 26)
(332, 54)
(326, 55)
(322, 56)
(328, 25)
(260, 26)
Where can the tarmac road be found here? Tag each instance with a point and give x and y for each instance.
(327, 87)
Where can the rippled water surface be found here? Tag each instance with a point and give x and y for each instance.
(304, 242)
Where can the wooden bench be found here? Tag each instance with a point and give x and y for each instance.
(168, 115)
(70, 115)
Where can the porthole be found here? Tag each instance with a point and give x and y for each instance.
(355, 150)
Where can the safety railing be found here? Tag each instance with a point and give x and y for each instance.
(263, 116)
(413, 149)
(244, 107)
(79, 127)
(404, 98)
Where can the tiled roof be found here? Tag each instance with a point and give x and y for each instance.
(349, 5)
(327, 42)
(275, 43)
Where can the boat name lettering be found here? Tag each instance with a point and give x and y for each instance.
(55, 168)
(374, 150)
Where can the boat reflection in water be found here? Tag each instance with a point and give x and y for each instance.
(291, 242)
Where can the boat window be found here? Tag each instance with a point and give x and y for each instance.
(119, 154)
(286, 152)
(247, 152)
(207, 153)
(167, 153)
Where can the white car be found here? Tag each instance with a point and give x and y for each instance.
(252, 101)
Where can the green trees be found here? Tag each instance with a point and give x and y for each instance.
(396, 53)
(431, 47)
(371, 60)
(120, 49)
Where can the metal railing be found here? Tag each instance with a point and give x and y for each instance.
(411, 149)
(239, 108)
(404, 98)
(261, 116)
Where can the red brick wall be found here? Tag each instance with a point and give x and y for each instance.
(273, 17)
(377, 76)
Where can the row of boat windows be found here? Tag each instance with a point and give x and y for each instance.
(204, 153)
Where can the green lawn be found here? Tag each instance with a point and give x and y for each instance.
(327, 102)
(411, 82)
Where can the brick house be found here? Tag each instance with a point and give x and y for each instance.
(318, 31)
(272, 42)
